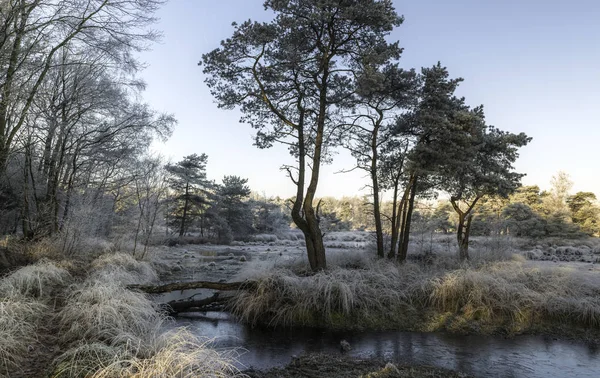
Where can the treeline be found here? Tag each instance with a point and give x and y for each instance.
(528, 212)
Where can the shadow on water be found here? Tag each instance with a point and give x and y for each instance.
(481, 356)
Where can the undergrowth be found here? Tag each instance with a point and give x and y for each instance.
(112, 332)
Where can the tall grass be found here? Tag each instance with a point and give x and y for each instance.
(38, 280)
(177, 354)
(19, 321)
(486, 296)
(24, 295)
(283, 297)
(122, 268)
(104, 311)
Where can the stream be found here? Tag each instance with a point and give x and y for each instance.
(480, 356)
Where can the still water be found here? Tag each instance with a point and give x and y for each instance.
(480, 356)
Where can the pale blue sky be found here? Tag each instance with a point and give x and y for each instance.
(534, 64)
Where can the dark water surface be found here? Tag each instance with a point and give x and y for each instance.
(481, 356)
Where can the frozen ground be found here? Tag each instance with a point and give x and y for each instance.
(233, 262)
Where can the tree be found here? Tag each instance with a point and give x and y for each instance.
(291, 78)
(150, 192)
(188, 181)
(528, 195)
(585, 212)
(234, 207)
(34, 32)
(269, 215)
(555, 201)
(521, 220)
(430, 136)
(383, 93)
(485, 170)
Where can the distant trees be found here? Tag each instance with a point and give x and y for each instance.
(585, 212)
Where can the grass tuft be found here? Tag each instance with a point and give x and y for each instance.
(174, 354)
(19, 320)
(178, 354)
(101, 311)
(122, 268)
(38, 280)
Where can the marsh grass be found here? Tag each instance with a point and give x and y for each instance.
(177, 354)
(105, 311)
(25, 296)
(39, 280)
(490, 294)
(122, 268)
(20, 317)
(287, 298)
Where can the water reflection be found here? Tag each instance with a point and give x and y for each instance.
(481, 356)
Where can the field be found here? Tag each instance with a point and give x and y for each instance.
(63, 319)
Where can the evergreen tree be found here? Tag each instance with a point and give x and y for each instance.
(189, 184)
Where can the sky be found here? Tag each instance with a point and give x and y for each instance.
(533, 64)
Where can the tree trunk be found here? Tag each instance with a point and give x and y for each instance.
(395, 220)
(185, 207)
(409, 207)
(179, 286)
(303, 212)
(464, 226)
(375, 182)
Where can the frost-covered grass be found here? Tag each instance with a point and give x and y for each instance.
(104, 311)
(24, 298)
(174, 354)
(37, 280)
(20, 318)
(493, 293)
(113, 332)
(122, 268)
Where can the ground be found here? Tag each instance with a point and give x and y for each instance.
(324, 365)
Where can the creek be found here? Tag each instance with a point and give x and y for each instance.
(480, 356)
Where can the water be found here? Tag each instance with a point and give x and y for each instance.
(481, 356)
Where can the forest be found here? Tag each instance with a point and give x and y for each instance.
(94, 222)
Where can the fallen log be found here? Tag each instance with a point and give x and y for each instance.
(180, 286)
(196, 305)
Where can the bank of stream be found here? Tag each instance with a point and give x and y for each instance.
(474, 355)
